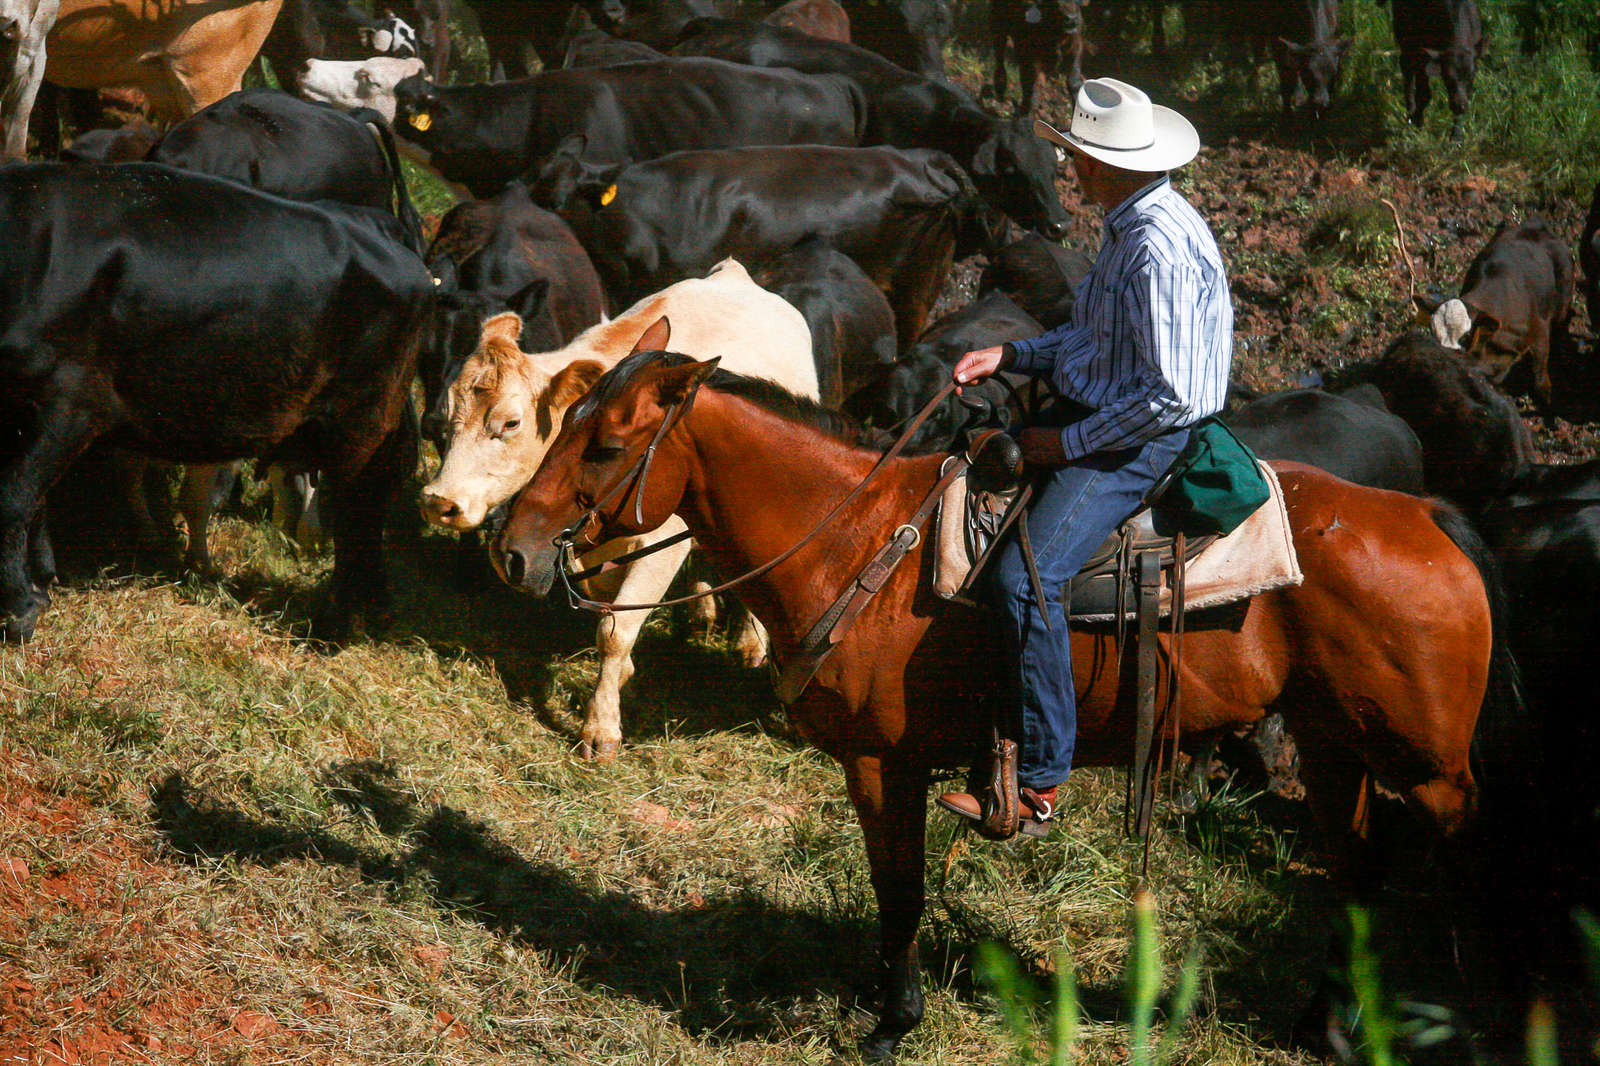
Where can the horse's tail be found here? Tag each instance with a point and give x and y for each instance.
(1502, 744)
(1507, 860)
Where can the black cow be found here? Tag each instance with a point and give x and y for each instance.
(906, 387)
(656, 23)
(1589, 257)
(1040, 275)
(1516, 299)
(852, 326)
(509, 27)
(1301, 36)
(1443, 38)
(1043, 34)
(1475, 445)
(295, 149)
(199, 320)
(597, 48)
(901, 215)
(910, 33)
(1352, 435)
(1012, 168)
(504, 254)
(485, 135)
(1309, 52)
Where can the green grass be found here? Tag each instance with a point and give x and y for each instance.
(351, 843)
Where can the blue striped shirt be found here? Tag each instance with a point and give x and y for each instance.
(1151, 337)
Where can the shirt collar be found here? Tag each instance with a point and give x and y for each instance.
(1119, 218)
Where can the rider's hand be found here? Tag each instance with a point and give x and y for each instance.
(975, 367)
(1041, 446)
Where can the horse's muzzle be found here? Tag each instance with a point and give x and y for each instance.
(528, 569)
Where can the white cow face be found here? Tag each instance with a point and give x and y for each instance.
(363, 83)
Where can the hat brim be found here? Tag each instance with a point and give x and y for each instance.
(1175, 143)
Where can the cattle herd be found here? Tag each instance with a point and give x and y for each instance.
(246, 276)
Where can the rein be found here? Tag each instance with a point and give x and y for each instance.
(634, 480)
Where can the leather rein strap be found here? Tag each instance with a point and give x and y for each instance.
(830, 629)
(634, 480)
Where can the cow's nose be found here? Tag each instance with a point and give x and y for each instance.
(441, 510)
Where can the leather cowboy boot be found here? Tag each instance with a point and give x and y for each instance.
(999, 807)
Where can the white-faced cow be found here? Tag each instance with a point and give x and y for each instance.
(507, 405)
(1515, 302)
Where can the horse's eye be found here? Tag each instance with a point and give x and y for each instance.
(601, 453)
(511, 424)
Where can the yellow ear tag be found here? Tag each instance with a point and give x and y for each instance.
(609, 195)
(422, 121)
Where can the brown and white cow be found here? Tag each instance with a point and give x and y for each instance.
(183, 55)
(1515, 302)
(24, 28)
(507, 405)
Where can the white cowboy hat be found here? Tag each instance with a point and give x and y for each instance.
(1117, 124)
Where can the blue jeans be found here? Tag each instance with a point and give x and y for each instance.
(1075, 509)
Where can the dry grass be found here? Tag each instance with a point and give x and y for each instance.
(221, 844)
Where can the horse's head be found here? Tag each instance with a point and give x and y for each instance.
(612, 470)
(497, 418)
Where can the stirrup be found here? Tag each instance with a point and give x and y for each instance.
(1002, 815)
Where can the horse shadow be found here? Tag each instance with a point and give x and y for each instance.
(731, 968)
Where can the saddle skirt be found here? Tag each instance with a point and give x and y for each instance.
(1256, 557)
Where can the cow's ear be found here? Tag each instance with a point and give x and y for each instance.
(531, 300)
(573, 381)
(1484, 327)
(1425, 307)
(571, 146)
(505, 327)
(986, 157)
(655, 338)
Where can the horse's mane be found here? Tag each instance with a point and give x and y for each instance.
(765, 394)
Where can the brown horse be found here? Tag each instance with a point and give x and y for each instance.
(1380, 661)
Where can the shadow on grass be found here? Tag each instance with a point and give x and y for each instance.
(728, 969)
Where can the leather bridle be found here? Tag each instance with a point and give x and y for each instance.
(633, 481)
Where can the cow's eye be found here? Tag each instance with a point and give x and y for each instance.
(512, 424)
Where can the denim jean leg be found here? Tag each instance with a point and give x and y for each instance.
(1073, 512)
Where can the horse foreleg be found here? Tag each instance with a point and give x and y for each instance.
(891, 803)
(644, 581)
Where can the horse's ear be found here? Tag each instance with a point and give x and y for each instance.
(504, 328)
(573, 381)
(655, 338)
(679, 383)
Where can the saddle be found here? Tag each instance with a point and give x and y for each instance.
(980, 507)
(1122, 583)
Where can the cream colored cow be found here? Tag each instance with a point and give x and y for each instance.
(506, 406)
